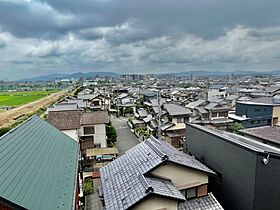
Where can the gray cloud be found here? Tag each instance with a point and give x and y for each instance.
(40, 37)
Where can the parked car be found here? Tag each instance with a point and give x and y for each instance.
(105, 157)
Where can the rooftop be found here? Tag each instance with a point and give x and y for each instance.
(94, 118)
(266, 133)
(124, 180)
(240, 140)
(65, 120)
(208, 202)
(38, 166)
(176, 110)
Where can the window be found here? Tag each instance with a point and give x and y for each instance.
(89, 130)
(97, 145)
(191, 193)
(180, 120)
(257, 110)
(202, 190)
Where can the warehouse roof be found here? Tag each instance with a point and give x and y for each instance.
(38, 166)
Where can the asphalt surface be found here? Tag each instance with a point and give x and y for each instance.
(126, 139)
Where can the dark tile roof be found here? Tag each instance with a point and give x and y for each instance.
(94, 118)
(122, 179)
(266, 133)
(65, 120)
(176, 110)
(38, 166)
(208, 202)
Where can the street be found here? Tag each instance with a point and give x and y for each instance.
(126, 139)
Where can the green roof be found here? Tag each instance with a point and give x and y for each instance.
(38, 166)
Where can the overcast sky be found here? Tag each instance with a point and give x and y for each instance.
(137, 36)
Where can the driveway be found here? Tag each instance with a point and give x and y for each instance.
(126, 139)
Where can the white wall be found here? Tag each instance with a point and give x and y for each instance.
(99, 134)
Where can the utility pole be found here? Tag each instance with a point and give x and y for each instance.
(159, 115)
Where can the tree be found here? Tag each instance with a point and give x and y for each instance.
(111, 133)
(88, 186)
(235, 128)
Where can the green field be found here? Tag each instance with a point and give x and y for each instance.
(13, 99)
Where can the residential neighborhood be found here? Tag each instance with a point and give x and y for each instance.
(148, 146)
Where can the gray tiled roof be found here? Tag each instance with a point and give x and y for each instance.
(208, 202)
(121, 184)
(194, 104)
(176, 110)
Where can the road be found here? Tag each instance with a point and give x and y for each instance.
(126, 139)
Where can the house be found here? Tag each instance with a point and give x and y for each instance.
(247, 170)
(212, 114)
(266, 134)
(262, 111)
(216, 92)
(64, 106)
(154, 175)
(39, 168)
(173, 124)
(67, 121)
(96, 101)
(93, 129)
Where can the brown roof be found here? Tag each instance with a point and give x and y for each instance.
(93, 118)
(65, 120)
(265, 133)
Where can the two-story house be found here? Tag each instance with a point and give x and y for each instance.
(258, 112)
(93, 130)
(216, 92)
(154, 175)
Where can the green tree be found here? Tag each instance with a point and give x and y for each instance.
(111, 133)
(235, 128)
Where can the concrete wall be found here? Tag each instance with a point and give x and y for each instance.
(235, 167)
(155, 203)
(99, 135)
(181, 176)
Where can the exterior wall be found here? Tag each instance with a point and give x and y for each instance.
(99, 134)
(276, 114)
(267, 184)
(73, 134)
(235, 167)
(181, 176)
(156, 203)
(215, 94)
(262, 117)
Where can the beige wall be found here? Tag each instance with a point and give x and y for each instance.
(181, 176)
(276, 113)
(155, 203)
(99, 135)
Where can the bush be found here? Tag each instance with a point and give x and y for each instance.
(4, 130)
(88, 186)
(235, 127)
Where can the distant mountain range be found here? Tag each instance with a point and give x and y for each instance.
(52, 77)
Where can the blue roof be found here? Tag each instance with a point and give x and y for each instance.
(38, 166)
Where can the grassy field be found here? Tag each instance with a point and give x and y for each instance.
(14, 99)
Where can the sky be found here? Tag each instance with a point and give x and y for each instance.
(137, 36)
